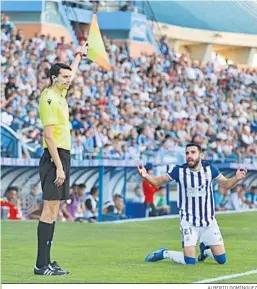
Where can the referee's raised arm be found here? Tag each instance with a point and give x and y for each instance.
(81, 53)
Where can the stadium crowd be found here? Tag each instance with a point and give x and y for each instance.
(147, 105)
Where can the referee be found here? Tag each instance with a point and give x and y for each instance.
(54, 166)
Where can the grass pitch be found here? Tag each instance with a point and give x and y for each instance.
(114, 253)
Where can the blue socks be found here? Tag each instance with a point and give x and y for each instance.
(221, 259)
(190, 260)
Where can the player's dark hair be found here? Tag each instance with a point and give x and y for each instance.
(194, 145)
(55, 70)
(82, 186)
(94, 190)
(11, 189)
(117, 196)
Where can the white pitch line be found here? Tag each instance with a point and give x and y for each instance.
(221, 278)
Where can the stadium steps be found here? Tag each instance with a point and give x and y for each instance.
(67, 23)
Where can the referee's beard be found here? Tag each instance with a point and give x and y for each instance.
(193, 164)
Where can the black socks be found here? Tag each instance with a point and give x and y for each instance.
(49, 244)
(44, 236)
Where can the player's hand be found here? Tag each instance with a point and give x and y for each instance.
(240, 174)
(142, 171)
(60, 177)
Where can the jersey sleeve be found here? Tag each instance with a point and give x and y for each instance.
(48, 111)
(173, 173)
(215, 172)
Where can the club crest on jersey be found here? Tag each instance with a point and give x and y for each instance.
(49, 101)
(198, 191)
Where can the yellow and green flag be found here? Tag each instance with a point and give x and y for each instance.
(96, 49)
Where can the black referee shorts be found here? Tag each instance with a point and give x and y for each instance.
(47, 172)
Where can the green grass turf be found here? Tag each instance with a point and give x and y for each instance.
(114, 253)
(241, 280)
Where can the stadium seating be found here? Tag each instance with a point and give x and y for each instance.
(149, 106)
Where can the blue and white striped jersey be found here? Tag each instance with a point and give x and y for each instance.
(195, 194)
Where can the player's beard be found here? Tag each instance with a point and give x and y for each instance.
(195, 163)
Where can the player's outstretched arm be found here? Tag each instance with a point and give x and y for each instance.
(155, 181)
(81, 52)
(231, 182)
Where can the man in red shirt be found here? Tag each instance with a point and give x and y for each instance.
(149, 191)
(11, 202)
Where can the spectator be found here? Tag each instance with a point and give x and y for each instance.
(160, 202)
(7, 25)
(76, 122)
(251, 196)
(149, 191)
(91, 205)
(71, 209)
(119, 207)
(35, 197)
(78, 149)
(10, 86)
(244, 202)
(237, 200)
(81, 188)
(139, 195)
(220, 198)
(12, 202)
(114, 210)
